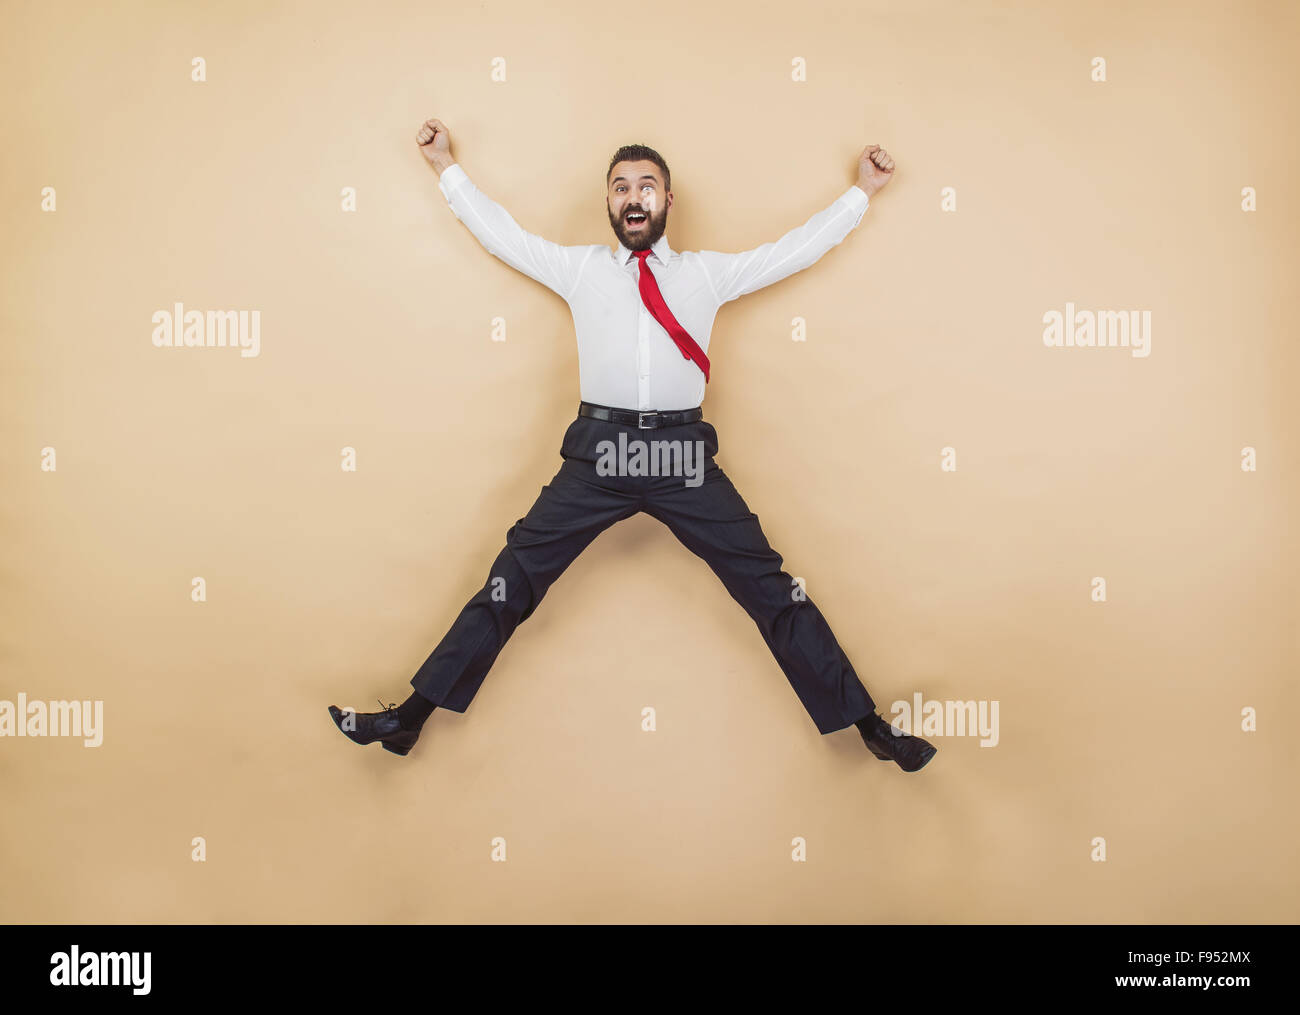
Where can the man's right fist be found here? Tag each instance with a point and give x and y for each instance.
(435, 142)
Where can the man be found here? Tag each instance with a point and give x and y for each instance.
(643, 316)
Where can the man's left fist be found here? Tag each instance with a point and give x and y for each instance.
(875, 168)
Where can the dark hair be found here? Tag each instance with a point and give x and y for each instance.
(639, 153)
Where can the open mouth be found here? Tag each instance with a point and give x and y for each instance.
(634, 219)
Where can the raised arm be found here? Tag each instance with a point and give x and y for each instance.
(734, 275)
(555, 266)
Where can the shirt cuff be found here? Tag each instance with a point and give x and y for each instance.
(857, 199)
(451, 178)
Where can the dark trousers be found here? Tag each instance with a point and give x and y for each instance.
(710, 519)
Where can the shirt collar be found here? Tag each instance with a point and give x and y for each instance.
(660, 251)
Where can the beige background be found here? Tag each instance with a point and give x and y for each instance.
(1118, 720)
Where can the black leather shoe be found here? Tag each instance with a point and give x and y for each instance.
(367, 727)
(888, 744)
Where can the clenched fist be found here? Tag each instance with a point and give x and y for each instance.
(875, 168)
(435, 143)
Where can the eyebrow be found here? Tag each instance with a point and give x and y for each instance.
(647, 176)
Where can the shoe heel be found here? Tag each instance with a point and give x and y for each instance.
(399, 749)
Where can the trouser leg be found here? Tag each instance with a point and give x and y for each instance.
(570, 512)
(713, 521)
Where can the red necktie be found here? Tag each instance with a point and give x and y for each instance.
(654, 301)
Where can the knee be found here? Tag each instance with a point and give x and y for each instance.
(768, 597)
(513, 587)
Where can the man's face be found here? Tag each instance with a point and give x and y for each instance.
(637, 204)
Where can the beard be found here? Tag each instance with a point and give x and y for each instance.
(645, 237)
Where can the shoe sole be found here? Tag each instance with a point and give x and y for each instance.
(925, 760)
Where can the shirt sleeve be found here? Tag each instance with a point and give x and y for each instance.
(556, 267)
(734, 275)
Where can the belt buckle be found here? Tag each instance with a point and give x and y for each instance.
(640, 417)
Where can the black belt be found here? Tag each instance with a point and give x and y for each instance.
(641, 420)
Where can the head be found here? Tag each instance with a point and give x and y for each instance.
(638, 183)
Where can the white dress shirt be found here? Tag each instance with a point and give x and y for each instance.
(625, 357)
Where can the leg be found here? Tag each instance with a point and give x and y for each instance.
(713, 522)
(570, 512)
